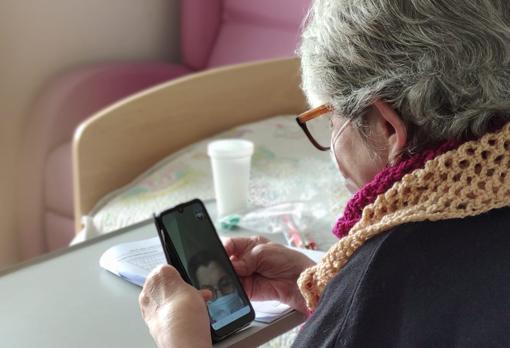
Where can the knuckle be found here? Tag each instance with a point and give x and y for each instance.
(143, 299)
(259, 249)
(167, 271)
(259, 240)
(156, 272)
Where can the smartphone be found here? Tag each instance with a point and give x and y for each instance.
(191, 244)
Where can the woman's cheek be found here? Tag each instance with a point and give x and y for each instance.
(351, 186)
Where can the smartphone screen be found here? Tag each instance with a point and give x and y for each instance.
(196, 250)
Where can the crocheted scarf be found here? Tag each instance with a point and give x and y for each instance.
(382, 182)
(447, 183)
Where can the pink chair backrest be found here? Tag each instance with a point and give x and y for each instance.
(220, 32)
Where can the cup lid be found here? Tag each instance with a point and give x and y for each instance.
(230, 148)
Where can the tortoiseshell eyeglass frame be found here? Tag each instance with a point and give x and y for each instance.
(312, 114)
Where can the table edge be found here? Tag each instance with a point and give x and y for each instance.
(54, 254)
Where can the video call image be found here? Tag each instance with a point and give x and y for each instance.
(195, 242)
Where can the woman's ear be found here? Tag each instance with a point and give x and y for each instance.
(393, 130)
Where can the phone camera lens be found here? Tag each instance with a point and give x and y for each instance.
(199, 216)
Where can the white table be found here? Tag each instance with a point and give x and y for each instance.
(65, 299)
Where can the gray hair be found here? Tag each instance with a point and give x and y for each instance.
(443, 65)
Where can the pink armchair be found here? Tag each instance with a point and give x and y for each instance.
(213, 33)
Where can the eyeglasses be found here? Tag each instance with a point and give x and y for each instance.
(224, 287)
(317, 125)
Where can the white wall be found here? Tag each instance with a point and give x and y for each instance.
(41, 38)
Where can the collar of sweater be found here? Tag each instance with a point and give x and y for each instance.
(467, 181)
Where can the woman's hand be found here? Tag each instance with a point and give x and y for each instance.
(268, 271)
(174, 311)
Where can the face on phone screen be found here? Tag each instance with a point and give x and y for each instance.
(206, 263)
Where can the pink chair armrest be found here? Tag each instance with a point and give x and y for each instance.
(66, 102)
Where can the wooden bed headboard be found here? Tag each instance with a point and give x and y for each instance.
(120, 142)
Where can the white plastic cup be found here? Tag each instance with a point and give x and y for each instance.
(231, 161)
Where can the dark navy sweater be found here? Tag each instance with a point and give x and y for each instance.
(424, 284)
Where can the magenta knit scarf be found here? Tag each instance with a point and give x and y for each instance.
(382, 182)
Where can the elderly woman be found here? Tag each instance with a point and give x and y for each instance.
(418, 96)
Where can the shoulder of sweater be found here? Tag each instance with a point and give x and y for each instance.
(407, 245)
(414, 264)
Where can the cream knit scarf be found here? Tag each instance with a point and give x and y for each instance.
(467, 181)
